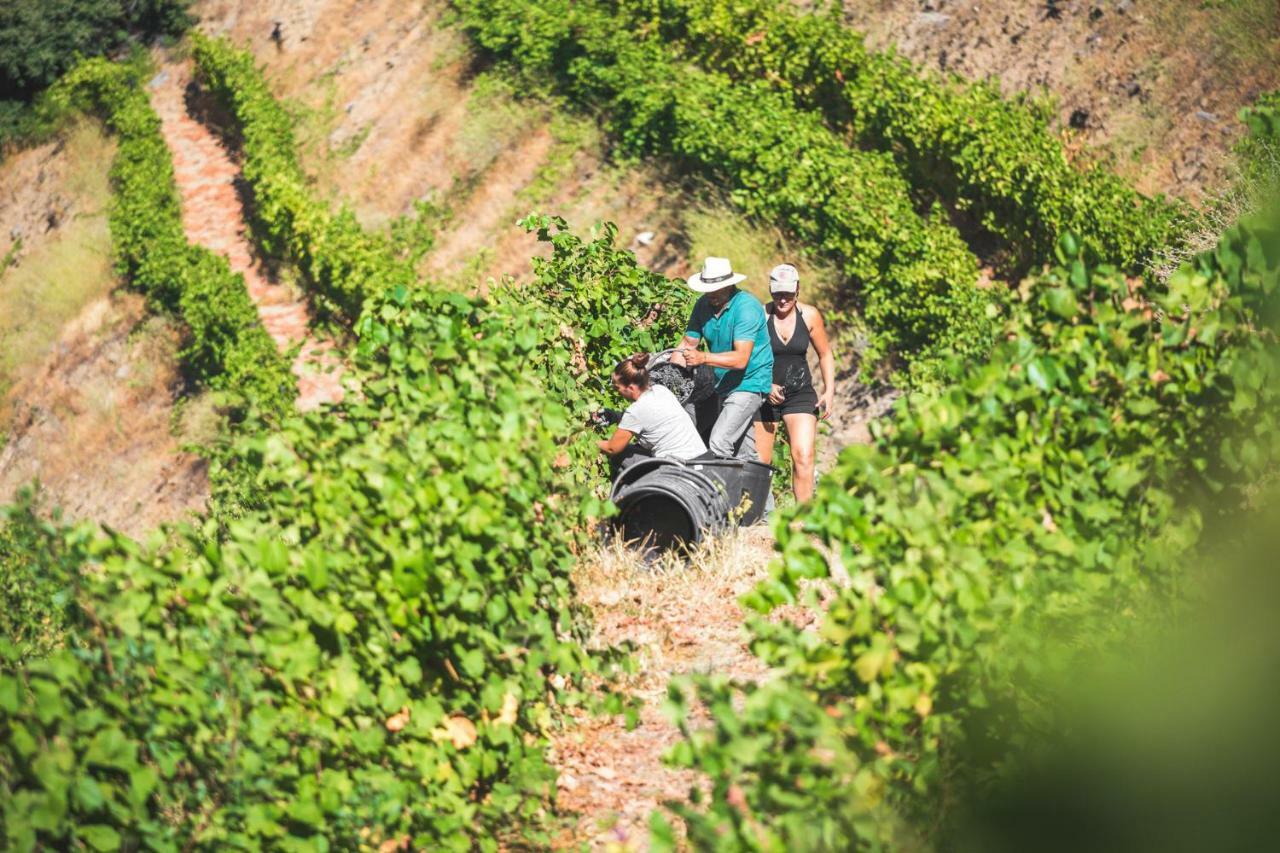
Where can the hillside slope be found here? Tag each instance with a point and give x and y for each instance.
(391, 112)
(1152, 85)
(96, 410)
(394, 112)
(374, 656)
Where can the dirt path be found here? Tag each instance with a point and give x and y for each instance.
(212, 212)
(682, 620)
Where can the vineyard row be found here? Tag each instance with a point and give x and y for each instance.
(227, 348)
(916, 277)
(1040, 509)
(374, 648)
(961, 142)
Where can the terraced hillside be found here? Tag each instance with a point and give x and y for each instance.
(332, 573)
(1152, 85)
(460, 142)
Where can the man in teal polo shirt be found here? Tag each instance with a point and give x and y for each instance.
(733, 324)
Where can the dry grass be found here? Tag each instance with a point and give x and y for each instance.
(665, 593)
(715, 228)
(45, 289)
(495, 122)
(1239, 35)
(196, 421)
(94, 422)
(1244, 196)
(682, 618)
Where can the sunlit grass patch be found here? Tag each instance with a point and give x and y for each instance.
(716, 229)
(43, 289)
(495, 120)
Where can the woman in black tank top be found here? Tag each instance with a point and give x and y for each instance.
(793, 328)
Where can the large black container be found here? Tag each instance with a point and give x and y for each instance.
(746, 485)
(666, 503)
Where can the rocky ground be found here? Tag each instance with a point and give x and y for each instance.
(95, 425)
(683, 619)
(1154, 86)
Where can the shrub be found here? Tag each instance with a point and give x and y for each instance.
(916, 277)
(1020, 516)
(37, 559)
(961, 142)
(374, 654)
(592, 305)
(41, 39)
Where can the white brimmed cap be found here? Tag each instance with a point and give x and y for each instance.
(784, 278)
(717, 274)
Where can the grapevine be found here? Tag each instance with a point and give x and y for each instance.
(915, 277)
(227, 347)
(961, 142)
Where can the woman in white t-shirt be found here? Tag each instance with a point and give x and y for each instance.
(655, 417)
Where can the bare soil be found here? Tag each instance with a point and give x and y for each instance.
(90, 384)
(94, 424)
(1152, 85)
(55, 249)
(682, 619)
(36, 196)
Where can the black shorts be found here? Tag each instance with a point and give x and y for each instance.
(796, 403)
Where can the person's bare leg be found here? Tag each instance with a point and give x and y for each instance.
(765, 435)
(803, 432)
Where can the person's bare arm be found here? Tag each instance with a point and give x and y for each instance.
(615, 443)
(826, 358)
(687, 343)
(736, 359)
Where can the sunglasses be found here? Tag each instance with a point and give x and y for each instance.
(782, 297)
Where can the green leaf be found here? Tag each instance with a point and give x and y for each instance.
(1121, 478)
(662, 837)
(88, 793)
(110, 748)
(9, 696)
(99, 837)
(472, 663)
(875, 662)
(1062, 302)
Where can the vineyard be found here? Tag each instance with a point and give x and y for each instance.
(369, 638)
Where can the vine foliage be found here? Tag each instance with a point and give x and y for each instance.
(226, 347)
(374, 651)
(1024, 514)
(989, 157)
(915, 276)
(342, 263)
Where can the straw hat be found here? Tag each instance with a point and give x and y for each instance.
(717, 274)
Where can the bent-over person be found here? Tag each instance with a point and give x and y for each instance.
(655, 418)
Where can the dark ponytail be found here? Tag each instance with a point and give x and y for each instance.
(633, 371)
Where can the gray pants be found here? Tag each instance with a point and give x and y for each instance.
(734, 435)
